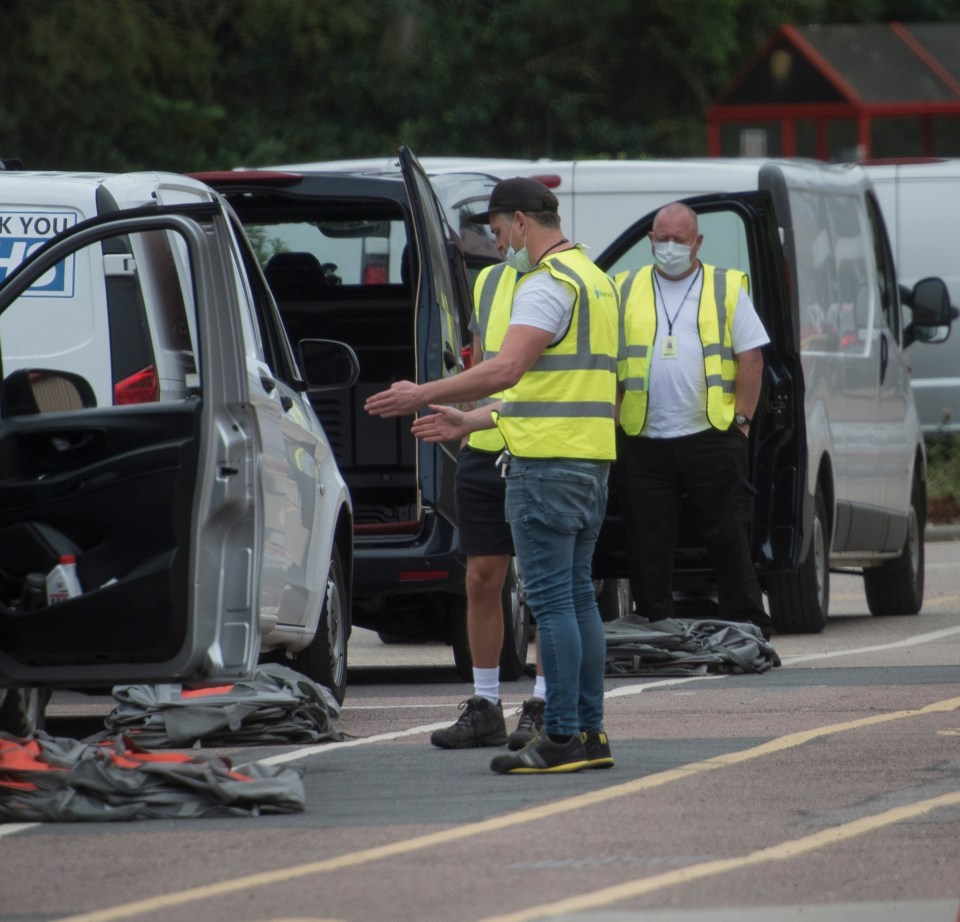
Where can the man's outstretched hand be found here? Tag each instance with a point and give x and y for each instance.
(401, 399)
(444, 424)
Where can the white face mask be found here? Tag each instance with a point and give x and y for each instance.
(518, 259)
(672, 258)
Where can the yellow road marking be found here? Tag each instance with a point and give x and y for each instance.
(496, 824)
(940, 600)
(781, 852)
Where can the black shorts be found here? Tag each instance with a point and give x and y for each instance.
(479, 497)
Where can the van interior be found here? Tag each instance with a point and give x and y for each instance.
(344, 273)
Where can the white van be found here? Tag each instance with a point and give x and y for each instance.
(920, 202)
(108, 340)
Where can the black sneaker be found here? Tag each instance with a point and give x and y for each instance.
(597, 747)
(480, 724)
(542, 756)
(531, 720)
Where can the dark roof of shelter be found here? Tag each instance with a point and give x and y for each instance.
(864, 64)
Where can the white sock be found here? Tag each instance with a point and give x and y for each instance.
(486, 683)
(540, 688)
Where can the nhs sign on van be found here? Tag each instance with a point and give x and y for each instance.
(22, 232)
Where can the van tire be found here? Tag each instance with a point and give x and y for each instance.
(614, 599)
(896, 587)
(516, 630)
(800, 602)
(324, 659)
(516, 626)
(22, 710)
(456, 612)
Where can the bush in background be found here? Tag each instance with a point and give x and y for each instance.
(943, 478)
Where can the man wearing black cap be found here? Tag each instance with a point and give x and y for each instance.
(556, 369)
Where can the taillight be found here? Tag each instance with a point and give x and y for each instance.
(374, 273)
(141, 387)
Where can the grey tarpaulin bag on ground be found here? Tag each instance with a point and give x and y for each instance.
(46, 779)
(277, 705)
(678, 646)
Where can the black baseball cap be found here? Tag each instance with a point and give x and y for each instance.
(522, 193)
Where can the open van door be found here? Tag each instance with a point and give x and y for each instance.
(440, 321)
(740, 231)
(156, 501)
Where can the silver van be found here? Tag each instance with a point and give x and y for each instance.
(837, 452)
(208, 518)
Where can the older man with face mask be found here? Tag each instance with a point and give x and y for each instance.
(556, 369)
(691, 370)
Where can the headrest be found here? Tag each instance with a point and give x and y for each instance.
(294, 275)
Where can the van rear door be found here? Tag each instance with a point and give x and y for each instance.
(440, 321)
(155, 500)
(740, 231)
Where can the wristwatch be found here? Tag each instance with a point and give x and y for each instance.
(741, 419)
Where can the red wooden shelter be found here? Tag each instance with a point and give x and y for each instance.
(844, 92)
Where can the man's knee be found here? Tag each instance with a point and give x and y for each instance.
(486, 575)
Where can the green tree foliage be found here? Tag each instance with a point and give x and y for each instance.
(201, 84)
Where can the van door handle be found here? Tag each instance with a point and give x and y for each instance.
(884, 356)
(269, 384)
(286, 402)
(450, 359)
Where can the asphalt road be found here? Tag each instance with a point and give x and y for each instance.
(828, 788)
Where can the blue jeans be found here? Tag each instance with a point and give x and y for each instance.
(555, 508)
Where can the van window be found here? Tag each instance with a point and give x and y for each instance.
(346, 252)
(837, 296)
(126, 338)
(724, 245)
(886, 273)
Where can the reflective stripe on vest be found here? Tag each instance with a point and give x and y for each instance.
(492, 298)
(563, 406)
(719, 295)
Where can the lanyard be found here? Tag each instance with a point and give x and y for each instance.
(672, 320)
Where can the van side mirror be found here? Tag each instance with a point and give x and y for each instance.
(327, 364)
(929, 302)
(42, 390)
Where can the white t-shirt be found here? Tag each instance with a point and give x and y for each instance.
(677, 401)
(544, 302)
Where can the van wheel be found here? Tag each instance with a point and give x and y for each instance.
(516, 626)
(800, 602)
(456, 611)
(896, 587)
(516, 630)
(324, 659)
(614, 599)
(22, 710)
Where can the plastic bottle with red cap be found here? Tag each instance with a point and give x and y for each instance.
(62, 581)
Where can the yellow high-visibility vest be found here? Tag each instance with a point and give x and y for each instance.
(563, 406)
(718, 304)
(492, 300)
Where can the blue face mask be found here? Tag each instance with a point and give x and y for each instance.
(518, 259)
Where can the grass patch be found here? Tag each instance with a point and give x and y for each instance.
(943, 478)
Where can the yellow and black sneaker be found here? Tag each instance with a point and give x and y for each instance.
(542, 756)
(597, 747)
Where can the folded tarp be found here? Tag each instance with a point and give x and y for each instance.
(46, 779)
(677, 646)
(277, 705)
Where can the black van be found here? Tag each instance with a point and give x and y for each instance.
(382, 259)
